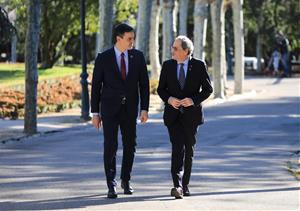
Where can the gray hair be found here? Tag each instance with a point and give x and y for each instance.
(186, 43)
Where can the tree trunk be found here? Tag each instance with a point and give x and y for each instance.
(153, 42)
(223, 48)
(12, 17)
(238, 26)
(143, 27)
(258, 42)
(183, 14)
(31, 72)
(105, 24)
(168, 27)
(47, 45)
(200, 26)
(218, 48)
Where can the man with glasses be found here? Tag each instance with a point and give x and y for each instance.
(183, 85)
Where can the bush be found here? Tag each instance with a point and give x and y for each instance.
(153, 86)
(52, 97)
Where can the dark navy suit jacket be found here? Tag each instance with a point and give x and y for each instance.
(197, 87)
(108, 88)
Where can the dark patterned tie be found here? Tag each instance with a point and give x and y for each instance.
(181, 76)
(123, 67)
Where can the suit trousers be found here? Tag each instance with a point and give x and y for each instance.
(111, 125)
(183, 139)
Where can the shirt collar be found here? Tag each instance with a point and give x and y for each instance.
(186, 61)
(118, 53)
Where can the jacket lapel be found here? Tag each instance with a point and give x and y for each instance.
(130, 64)
(115, 67)
(188, 74)
(174, 68)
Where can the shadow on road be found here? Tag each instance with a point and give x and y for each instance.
(241, 150)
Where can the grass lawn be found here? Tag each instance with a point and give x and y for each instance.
(14, 74)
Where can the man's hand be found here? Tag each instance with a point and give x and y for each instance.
(97, 121)
(174, 102)
(186, 102)
(144, 116)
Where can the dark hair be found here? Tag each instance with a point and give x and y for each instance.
(120, 29)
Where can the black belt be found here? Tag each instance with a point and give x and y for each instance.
(123, 100)
(181, 109)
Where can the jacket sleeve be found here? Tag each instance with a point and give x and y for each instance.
(144, 85)
(97, 82)
(206, 87)
(162, 88)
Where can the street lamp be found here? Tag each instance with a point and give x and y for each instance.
(84, 75)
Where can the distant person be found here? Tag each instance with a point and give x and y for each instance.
(183, 85)
(283, 44)
(274, 62)
(120, 81)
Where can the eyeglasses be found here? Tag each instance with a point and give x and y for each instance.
(176, 48)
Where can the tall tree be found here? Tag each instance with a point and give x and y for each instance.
(200, 27)
(259, 12)
(168, 27)
(12, 17)
(218, 48)
(259, 42)
(31, 72)
(237, 6)
(183, 14)
(143, 27)
(57, 28)
(53, 35)
(153, 42)
(106, 15)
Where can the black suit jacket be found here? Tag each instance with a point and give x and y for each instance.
(197, 87)
(108, 88)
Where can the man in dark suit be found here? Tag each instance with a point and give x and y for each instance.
(183, 85)
(120, 80)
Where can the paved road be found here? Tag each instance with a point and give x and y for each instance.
(239, 161)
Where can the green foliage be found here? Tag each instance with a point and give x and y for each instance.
(268, 18)
(60, 25)
(13, 74)
(126, 11)
(60, 21)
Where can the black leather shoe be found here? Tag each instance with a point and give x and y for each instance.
(112, 192)
(127, 188)
(186, 191)
(177, 192)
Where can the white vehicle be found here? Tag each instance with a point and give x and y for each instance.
(251, 63)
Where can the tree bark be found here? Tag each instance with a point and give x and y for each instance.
(143, 27)
(183, 15)
(153, 42)
(31, 71)
(106, 14)
(200, 26)
(258, 42)
(168, 27)
(218, 48)
(238, 26)
(223, 48)
(12, 17)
